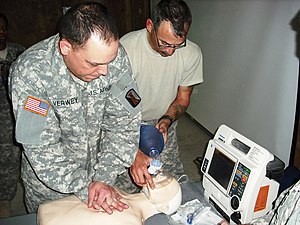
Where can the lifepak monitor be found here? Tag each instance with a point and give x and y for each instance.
(240, 178)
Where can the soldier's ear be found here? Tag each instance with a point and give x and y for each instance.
(65, 46)
(149, 25)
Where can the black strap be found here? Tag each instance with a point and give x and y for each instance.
(166, 117)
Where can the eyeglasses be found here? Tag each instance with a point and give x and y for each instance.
(163, 46)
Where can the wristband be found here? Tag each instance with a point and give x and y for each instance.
(166, 117)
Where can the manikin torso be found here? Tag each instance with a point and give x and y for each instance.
(165, 198)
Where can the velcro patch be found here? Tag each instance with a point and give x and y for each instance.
(133, 98)
(37, 106)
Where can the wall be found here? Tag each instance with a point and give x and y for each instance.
(33, 20)
(250, 69)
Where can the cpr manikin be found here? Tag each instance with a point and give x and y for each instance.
(164, 198)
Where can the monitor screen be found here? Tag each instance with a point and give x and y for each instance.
(221, 168)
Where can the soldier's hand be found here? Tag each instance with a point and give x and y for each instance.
(139, 170)
(104, 196)
(163, 126)
(224, 222)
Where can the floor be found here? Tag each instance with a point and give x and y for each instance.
(192, 139)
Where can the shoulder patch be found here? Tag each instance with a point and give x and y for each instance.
(37, 106)
(133, 98)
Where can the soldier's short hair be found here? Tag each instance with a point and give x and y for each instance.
(84, 19)
(175, 11)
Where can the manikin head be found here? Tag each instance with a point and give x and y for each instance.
(166, 196)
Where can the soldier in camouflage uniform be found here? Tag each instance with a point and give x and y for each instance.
(9, 150)
(166, 66)
(77, 111)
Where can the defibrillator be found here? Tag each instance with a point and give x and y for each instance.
(240, 178)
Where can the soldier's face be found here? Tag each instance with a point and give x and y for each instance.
(90, 61)
(163, 40)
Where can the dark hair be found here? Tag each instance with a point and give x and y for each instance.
(84, 19)
(4, 17)
(175, 11)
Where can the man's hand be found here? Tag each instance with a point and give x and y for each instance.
(139, 170)
(104, 196)
(163, 126)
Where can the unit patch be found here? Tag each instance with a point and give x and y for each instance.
(37, 106)
(133, 98)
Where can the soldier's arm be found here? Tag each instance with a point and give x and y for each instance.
(121, 124)
(38, 130)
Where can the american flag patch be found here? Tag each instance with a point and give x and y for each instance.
(36, 106)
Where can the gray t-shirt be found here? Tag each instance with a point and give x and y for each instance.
(158, 77)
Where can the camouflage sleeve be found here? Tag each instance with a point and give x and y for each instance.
(40, 135)
(13, 51)
(121, 126)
